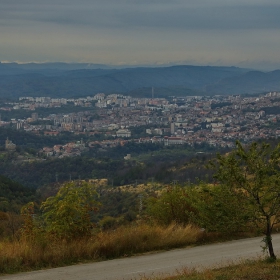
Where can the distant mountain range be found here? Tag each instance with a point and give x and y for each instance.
(74, 80)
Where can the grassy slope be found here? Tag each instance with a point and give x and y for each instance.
(248, 270)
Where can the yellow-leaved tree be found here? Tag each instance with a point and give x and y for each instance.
(68, 214)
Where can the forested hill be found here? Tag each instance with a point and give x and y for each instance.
(27, 140)
(14, 195)
(62, 80)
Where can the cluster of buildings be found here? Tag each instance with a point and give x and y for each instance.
(216, 120)
(68, 150)
(31, 103)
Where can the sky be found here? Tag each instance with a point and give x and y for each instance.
(243, 33)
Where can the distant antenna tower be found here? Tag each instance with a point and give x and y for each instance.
(152, 92)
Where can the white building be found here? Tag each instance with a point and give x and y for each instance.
(173, 141)
(123, 133)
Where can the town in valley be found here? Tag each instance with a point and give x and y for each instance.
(215, 120)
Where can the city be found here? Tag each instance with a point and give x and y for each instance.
(217, 121)
(139, 140)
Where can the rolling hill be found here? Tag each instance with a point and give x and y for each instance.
(74, 80)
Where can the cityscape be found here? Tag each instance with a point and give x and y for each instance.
(139, 140)
(214, 120)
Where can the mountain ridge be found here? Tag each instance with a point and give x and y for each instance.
(74, 81)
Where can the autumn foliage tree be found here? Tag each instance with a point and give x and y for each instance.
(68, 214)
(30, 229)
(252, 174)
(173, 205)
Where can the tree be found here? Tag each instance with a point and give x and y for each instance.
(30, 229)
(173, 205)
(67, 215)
(220, 210)
(252, 173)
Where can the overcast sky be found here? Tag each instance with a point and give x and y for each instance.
(242, 33)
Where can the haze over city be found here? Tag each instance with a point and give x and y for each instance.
(218, 32)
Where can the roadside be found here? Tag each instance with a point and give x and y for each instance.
(165, 263)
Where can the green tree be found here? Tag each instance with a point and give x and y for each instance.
(173, 205)
(68, 214)
(221, 209)
(29, 229)
(252, 173)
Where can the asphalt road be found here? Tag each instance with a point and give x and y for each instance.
(165, 263)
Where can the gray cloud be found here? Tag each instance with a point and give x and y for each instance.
(130, 30)
(147, 14)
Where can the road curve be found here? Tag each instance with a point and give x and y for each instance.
(164, 263)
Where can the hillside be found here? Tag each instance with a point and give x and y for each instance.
(62, 80)
(250, 82)
(13, 195)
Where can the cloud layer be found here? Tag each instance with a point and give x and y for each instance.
(221, 32)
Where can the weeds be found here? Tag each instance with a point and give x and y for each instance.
(45, 251)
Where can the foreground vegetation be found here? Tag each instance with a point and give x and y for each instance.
(45, 251)
(65, 228)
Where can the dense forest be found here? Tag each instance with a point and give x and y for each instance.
(163, 164)
(14, 195)
(27, 140)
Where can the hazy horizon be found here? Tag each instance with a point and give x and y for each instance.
(153, 33)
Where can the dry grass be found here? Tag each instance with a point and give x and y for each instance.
(143, 238)
(43, 252)
(248, 270)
